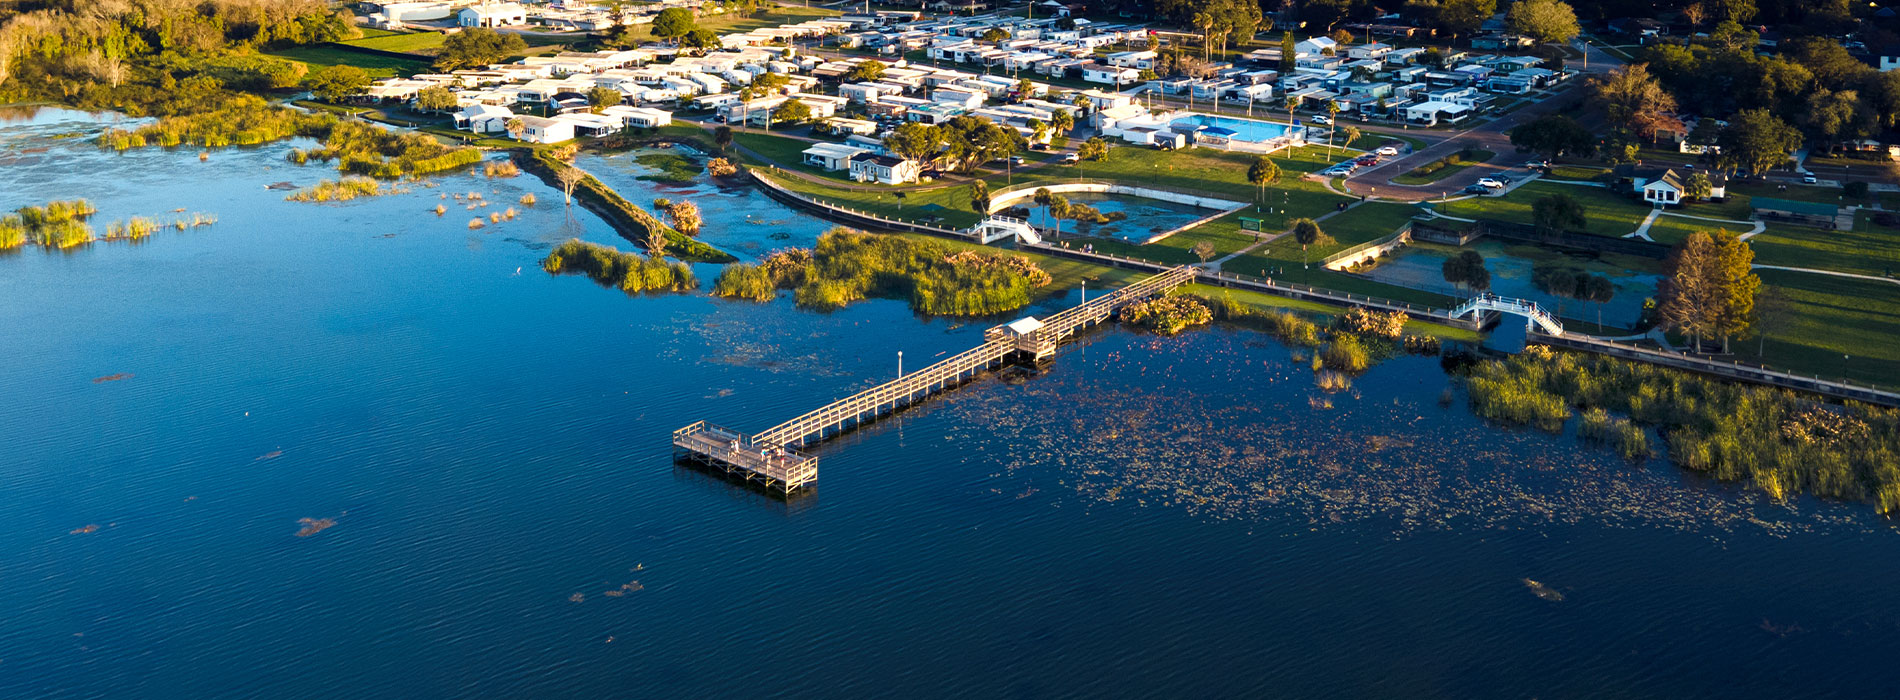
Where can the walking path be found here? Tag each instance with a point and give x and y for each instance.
(1642, 232)
(1830, 273)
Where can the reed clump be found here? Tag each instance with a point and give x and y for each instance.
(58, 224)
(342, 190)
(1345, 353)
(500, 168)
(610, 267)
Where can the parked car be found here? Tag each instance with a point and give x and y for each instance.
(1388, 151)
(1321, 119)
(1070, 158)
(1490, 183)
(1537, 164)
(1809, 179)
(1477, 189)
(1017, 160)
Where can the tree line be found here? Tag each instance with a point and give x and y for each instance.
(154, 56)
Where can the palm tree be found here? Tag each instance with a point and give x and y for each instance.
(1306, 232)
(1332, 115)
(1292, 103)
(515, 127)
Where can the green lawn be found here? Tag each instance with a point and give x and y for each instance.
(1867, 250)
(1479, 157)
(412, 42)
(1607, 214)
(1670, 230)
(1841, 328)
(318, 57)
(1798, 193)
(1577, 172)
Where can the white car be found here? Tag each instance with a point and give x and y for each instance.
(1388, 151)
(1490, 183)
(1321, 119)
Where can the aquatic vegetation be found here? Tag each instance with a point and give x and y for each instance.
(440, 210)
(527, 200)
(311, 526)
(365, 149)
(343, 190)
(500, 168)
(60, 224)
(475, 223)
(1372, 324)
(240, 120)
(1331, 381)
(12, 232)
(1168, 315)
(1286, 325)
(1421, 344)
(136, 228)
(721, 167)
(1345, 353)
(1630, 439)
(849, 265)
(743, 281)
(1779, 441)
(672, 167)
(1544, 592)
(609, 267)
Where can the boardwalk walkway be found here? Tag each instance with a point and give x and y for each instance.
(771, 456)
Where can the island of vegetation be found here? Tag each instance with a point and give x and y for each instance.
(610, 267)
(848, 265)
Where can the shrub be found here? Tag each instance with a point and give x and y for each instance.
(849, 265)
(1375, 324)
(1168, 315)
(342, 190)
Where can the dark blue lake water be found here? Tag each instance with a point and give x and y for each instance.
(1148, 517)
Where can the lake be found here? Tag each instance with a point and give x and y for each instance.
(1144, 517)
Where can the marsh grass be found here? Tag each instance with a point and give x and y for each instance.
(1775, 440)
(609, 267)
(344, 190)
(849, 265)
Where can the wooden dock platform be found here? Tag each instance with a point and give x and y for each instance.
(770, 457)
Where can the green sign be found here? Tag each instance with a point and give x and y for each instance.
(1249, 224)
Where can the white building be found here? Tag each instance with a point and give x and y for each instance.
(868, 167)
(483, 119)
(1110, 75)
(506, 14)
(543, 130)
(831, 156)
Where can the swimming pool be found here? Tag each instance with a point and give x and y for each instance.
(1243, 129)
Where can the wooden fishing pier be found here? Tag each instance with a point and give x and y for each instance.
(771, 457)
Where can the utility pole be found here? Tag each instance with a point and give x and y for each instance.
(900, 364)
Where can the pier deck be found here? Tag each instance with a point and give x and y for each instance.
(770, 457)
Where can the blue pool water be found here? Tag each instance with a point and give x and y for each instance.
(1244, 129)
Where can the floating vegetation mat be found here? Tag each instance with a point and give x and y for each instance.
(1226, 425)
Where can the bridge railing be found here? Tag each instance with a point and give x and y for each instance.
(795, 428)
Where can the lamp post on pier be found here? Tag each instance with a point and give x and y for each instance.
(900, 364)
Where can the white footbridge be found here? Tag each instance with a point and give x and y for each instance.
(1533, 314)
(996, 228)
